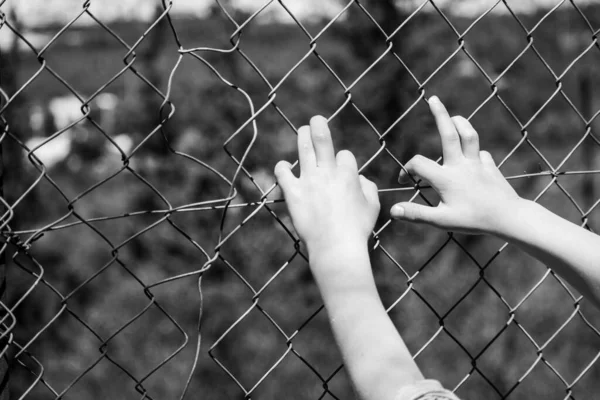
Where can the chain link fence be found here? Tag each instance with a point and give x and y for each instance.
(147, 250)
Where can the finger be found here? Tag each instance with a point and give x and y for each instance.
(486, 158)
(306, 153)
(322, 143)
(370, 190)
(420, 168)
(417, 213)
(284, 175)
(450, 140)
(469, 140)
(346, 159)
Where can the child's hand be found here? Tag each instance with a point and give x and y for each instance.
(475, 197)
(330, 204)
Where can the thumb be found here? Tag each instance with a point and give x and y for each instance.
(370, 190)
(417, 213)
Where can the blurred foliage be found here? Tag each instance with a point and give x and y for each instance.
(207, 112)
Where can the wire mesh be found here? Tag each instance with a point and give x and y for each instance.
(475, 323)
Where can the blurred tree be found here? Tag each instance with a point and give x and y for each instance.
(15, 116)
(10, 122)
(386, 97)
(147, 102)
(382, 94)
(257, 250)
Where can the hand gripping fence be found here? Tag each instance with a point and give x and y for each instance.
(119, 258)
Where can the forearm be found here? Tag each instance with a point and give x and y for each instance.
(375, 356)
(571, 251)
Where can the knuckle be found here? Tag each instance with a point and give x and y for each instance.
(469, 135)
(318, 138)
(450, 135)
(417, 213)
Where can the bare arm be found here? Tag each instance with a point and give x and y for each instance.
(475, 198)
(375, 356)
(571, 251)
(334, 211)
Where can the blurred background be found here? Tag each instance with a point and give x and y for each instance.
(126, 124)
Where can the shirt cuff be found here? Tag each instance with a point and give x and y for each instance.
(428, 389)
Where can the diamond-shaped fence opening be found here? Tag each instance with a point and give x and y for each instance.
(147, 251)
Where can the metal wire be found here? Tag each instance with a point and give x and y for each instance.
(21, 243)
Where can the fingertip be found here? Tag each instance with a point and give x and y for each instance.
(345, 154)
(306, 151)
(319, 120)
(438, 109)
(282, 171)
(434, 100)
(469, 139)
(370, 191)
(304, 138)
(281, 166)
(319, 128)
(304, 129)
(486, 158)
(462, 122)
(322, 142)
(397, 211)
(346, 158)
(402, 177)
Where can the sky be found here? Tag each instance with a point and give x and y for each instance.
(38, 12)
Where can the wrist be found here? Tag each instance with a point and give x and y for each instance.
(344, 245)
(339, 262)
(514, 217)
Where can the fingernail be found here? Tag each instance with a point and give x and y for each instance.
(397, 211)
(319, 120)
(434, 100)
